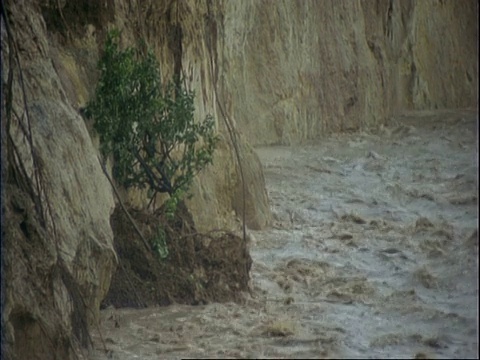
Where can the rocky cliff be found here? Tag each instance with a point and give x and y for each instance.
(297, 69)
(275, 71)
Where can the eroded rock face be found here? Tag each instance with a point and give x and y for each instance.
(297, 69)
(221, 186)
(58, 251)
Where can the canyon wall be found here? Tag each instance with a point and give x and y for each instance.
(274, 71)
(56, 236)
(298, 69)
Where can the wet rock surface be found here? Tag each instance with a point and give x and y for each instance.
(373, 253)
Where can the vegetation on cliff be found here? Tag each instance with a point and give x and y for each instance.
(148, 126)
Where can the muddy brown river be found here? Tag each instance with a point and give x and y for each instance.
(373, 253)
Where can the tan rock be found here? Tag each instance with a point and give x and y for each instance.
(60, 256)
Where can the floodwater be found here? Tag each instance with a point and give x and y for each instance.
(373, 253)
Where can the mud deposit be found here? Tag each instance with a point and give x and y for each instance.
(175, 264)
(373, 253)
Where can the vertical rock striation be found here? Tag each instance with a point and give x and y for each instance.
(58, 246)
(298, 69)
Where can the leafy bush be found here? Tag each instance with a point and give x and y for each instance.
(148, 126)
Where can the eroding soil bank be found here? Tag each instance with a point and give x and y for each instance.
(373, 254)
(185, 267)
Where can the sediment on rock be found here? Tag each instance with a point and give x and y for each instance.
(181, 266)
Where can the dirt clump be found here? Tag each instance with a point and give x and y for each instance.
(180, 266)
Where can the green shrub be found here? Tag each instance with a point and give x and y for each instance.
(148, 126)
